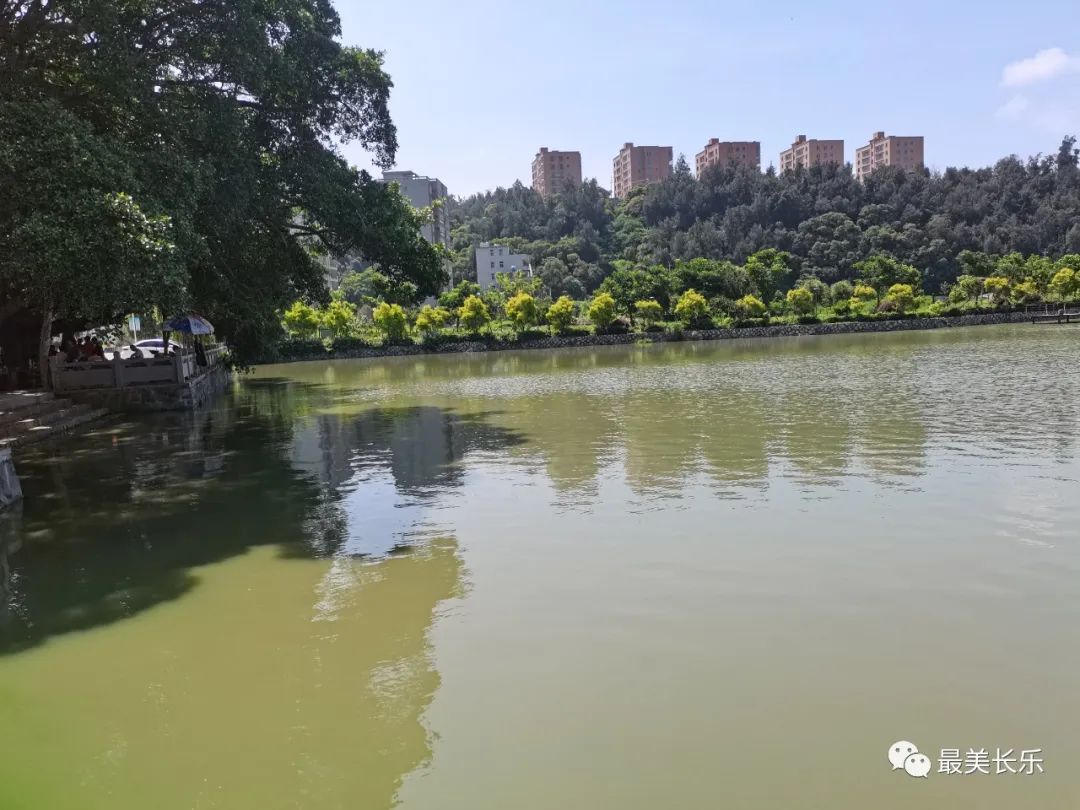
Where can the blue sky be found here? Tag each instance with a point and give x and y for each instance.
(479, 85)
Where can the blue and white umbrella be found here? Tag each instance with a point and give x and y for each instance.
(189, 325)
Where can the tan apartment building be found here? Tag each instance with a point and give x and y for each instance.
(889, 150)
(725, 153)
(552, 171)
(806, 153)
(637, 165)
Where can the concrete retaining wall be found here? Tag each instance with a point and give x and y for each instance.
(195, 393)
(10, 489)
(792, 330)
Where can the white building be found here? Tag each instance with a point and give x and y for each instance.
(493, 259)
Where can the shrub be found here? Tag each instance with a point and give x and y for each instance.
(998, 288)
(801, 300)
(746, 323)
(720, 306)
(1026, 292)
(522, 310)
(300, 348)
(841, 291)
(901, 296)
(692, 309)
(966, 288)
(750, 307)
(444, 338)
(934, 309)
(1065, 284)
(348, 343)
(561, 313)
(391, 321)
(301, 320)
(619, 326)
(602, 311)
(842, 308)
(473, 314)
(431, 319)
(452, 300)
(532, 334)
(339, 318)
(649, 311)
(862, 294)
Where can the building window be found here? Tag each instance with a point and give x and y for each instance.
(500, 263)
(493, 265)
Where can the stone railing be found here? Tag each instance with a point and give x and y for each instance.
(122, 373)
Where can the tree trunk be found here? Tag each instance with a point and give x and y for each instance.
(44, 340)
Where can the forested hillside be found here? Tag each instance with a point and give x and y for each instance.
(823, 217)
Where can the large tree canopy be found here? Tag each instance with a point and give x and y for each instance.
(214, 124)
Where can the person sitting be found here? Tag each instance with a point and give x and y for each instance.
(71, 351)
(136, 352)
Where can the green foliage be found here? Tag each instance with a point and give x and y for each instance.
(301, 320)
(510, 284)
(863, 294)
(966, 288)
(975, 263)
(714, 278)
(1026, 292)
(339, 318)
(902, 297)
(431, 319)
(818, 288)
(369, 286)
(841, 291)
(998, 286)
(628, 284)
(473, 314)
(1065, 284)
(391, 321)
(822, 217)
(750, 306)
(453, 299)
(769, 270)
(882, 272)
(301, 349)
(649, 311)
(189, 153)
(522, 310)
(561, 313)
(692, 309)
(801, 300)
(602, 311)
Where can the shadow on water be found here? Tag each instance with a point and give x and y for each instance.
(117, 521)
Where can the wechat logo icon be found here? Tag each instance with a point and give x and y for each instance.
(905, 755)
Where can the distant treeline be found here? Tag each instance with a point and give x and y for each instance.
(825, 219)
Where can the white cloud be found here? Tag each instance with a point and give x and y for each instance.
(1046, 64)
(1014, 107)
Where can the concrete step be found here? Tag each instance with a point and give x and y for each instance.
(31, 409)
(62, 409)
(56, 424)
(18, 404)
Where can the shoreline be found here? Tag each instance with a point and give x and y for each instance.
(584, 341)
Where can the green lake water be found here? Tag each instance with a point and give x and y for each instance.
(677, 576)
